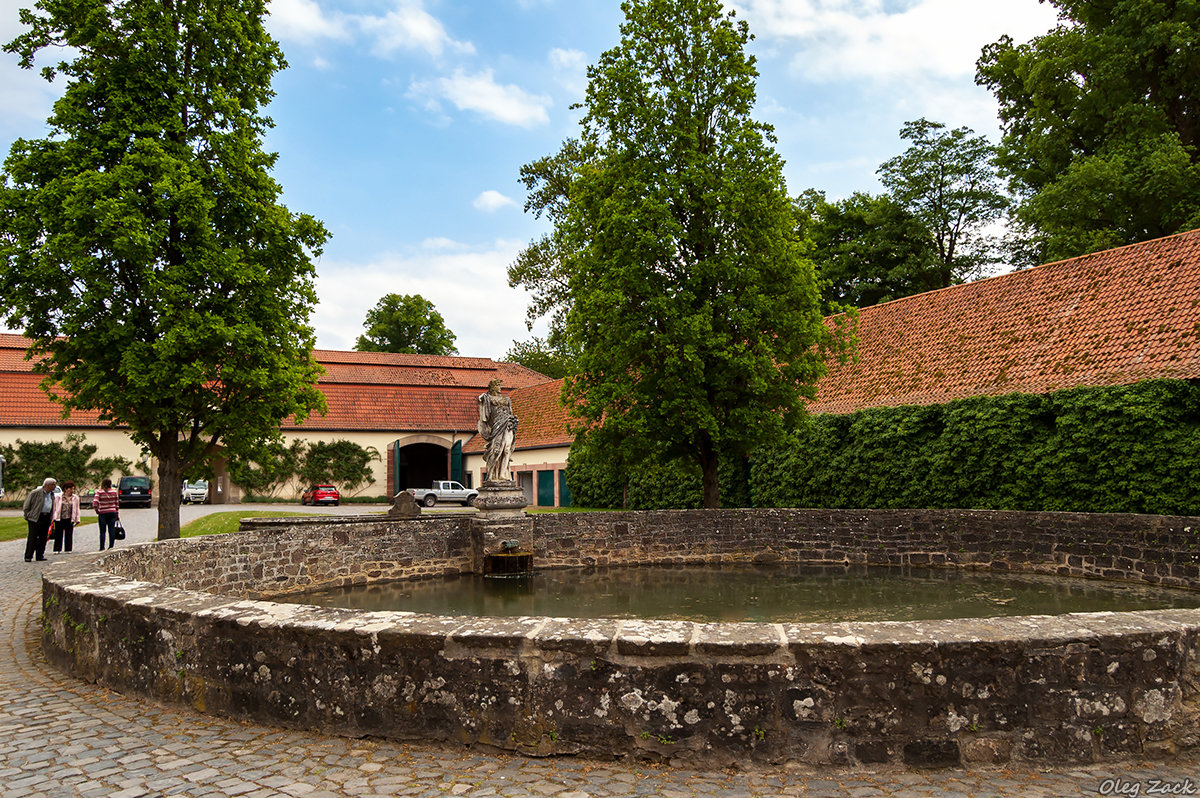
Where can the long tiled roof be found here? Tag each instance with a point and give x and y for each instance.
(1110, 318)
(383, 368)
(365, 391)
(24, 404)
(384, 391)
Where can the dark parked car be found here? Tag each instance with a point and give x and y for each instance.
(134, 492)
(321, 494)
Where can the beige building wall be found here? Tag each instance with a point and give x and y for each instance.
(525, 466)
(380, 441)
(108, 443)
(222, 490)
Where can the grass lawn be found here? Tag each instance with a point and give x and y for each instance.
(223, 523)
(17, 529)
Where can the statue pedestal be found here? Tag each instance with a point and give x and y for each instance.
(501, 525)
(500, 499)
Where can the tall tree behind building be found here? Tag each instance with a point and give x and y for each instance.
(868, 249)
(408, 324)
(947, 180)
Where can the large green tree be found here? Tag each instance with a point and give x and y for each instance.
(408, 324)
(1101, 120)
(542, 268)
(948, 181)
(693, 312)
(868, 249)
(143, 248)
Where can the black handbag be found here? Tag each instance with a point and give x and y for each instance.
(118, 531)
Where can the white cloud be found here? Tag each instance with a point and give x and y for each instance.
(410, 27)
(305, 21)
(491, 201)
(468, 286)
(570, 69)
(848, 39)
(26, 100)
(439, 242)
(481, 93)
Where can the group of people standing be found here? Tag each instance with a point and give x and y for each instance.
(52, 514)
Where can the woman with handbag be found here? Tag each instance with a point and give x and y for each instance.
(106, 503)
(65, 518)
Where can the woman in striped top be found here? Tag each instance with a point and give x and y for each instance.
(106, 503)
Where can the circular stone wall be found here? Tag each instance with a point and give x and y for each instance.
(189, 622)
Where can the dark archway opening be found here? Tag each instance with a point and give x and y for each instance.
(419, 464)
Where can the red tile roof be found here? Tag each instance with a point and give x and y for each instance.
(395, 407)
(366, 391)
(24, 404)
(1110, 318)
(384, 368)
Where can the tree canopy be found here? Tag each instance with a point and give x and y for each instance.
(1101, 123)
(694, 314)
(947, 181)
(868, 249)
(408, 324)
(143, 248)
(543, 266)
(539, 355)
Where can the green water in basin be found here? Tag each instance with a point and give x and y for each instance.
(756, 593)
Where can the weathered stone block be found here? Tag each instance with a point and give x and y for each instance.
(931, 753)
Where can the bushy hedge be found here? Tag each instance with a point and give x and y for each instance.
(1132, 449)
(654, 483)
(1129, 449)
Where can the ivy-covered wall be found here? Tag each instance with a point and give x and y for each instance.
(1130, 449)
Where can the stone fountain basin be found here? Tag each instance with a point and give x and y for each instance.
(190, 622)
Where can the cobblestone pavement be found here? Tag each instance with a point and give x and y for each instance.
(63, 737)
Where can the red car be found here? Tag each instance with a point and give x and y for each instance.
(321, 494)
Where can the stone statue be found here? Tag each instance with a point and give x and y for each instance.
(498, 426)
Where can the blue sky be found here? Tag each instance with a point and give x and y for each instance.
(403, 124)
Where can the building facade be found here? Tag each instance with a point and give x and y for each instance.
(1110, 318)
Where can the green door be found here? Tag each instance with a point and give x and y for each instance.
(456, 463)
(545, 489)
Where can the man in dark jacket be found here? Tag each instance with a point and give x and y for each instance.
(39, 512)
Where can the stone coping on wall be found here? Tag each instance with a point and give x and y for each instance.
(1071, 688)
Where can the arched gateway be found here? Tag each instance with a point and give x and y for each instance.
(418, 460)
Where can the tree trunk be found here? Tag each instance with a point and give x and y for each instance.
(169, 483)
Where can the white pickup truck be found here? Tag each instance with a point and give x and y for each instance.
(444, 491)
